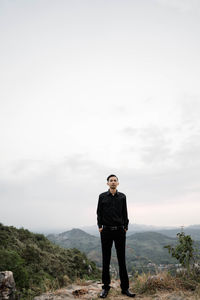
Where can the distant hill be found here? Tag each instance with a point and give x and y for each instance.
(75, 238)
(148, 247)
(196, 226)
(142, 248)
(193, 230)
(38, 264)
(133, 228)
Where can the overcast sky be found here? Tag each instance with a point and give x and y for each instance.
(90, 88)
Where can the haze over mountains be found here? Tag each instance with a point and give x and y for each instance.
(171, 231)
(142, 248)
(93, 229)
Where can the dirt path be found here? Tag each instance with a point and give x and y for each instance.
(90, 290)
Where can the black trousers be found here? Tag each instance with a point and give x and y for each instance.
(107, 238)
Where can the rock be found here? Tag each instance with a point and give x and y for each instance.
(175, 297)
(89, 269)
(196, 268)
(87, 290)
(79, 292)
(7, 286)
(154, 279)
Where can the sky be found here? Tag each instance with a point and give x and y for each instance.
(95, 87)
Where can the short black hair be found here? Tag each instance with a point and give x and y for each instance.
(112, 175)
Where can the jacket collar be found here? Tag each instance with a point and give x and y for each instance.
(109, 193)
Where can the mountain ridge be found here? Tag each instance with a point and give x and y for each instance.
(149, 246)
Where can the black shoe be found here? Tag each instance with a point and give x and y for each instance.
(104, 293)
(127, 293)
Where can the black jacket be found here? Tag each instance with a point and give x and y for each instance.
(112, 210)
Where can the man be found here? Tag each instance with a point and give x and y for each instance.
(112, 220)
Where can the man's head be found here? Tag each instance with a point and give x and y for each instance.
(112, 181)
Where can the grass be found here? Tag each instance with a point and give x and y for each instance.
(164, 281)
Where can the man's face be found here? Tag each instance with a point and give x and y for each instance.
(112, 182)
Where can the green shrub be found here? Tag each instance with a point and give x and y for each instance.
(11, 261)
(38, 264)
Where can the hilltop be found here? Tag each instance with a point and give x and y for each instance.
(75, 238)
(38, 264)
(90, 290)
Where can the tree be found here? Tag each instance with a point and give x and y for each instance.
(183, 251)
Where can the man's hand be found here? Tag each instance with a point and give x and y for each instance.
(100, 229)
(125, 229)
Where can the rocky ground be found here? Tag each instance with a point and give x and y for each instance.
(90, 290)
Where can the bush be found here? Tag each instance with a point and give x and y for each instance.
(11, 261)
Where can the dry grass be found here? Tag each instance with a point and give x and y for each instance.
(147, 283)
(82, 282)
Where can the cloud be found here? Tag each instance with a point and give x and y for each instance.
(153, 144)
(176, 213)
(157, 147)
(169, 144)
(190, 110)
(161, 186)
(188, 155)
(129, 131)
(107, 107)
(170, 159)
(182, 6)
(63, 194)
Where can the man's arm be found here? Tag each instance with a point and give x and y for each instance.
(99, 213)
(125, 215)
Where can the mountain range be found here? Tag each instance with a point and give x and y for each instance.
(171, 231)
(142, 248)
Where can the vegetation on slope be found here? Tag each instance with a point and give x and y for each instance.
(141, 248)
(38, 264)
